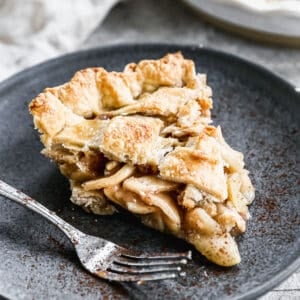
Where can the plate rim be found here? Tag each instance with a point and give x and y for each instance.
(181, 47)
(282, 274)
(262, 36)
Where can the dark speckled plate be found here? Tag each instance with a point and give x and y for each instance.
(259, 114)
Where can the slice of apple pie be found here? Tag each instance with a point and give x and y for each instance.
(142, 139)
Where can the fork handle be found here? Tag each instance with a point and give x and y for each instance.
(21, 198)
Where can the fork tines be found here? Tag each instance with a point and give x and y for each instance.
(135, 267)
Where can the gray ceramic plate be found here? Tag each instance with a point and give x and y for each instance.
(277, 27)
(258, 112)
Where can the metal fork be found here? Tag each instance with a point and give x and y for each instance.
(103, 258)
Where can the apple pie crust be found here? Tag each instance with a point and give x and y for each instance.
(142, 139)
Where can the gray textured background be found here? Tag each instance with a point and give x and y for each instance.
(169, 21)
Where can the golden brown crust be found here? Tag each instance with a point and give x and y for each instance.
(50, 115)
(171, 70)
(141, 139)
(190, 166)
(81, 93)
(131, 139)
(115, 90)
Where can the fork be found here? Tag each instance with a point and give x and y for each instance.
(104, 258)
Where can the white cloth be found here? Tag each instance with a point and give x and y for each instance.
(34, 30)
